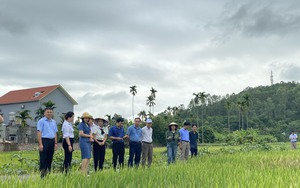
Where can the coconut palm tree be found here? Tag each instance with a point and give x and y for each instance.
(133, 91)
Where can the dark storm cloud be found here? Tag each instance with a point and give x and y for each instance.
(97, 49)
(261, 18)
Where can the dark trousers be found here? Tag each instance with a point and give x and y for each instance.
(194, 151)
(118, 150)
(99, 155)
(135, 150)
(46, 156)
(68, 155)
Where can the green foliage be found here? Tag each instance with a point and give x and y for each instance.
(209, 135)
(249, 136)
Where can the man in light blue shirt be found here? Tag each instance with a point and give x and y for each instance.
(134, 132)
(293, 138)
(47, 139)
(185, 141)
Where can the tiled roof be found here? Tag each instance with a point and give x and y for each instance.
(32, 94)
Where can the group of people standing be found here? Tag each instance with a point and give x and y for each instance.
(93, 136)
(185, 140)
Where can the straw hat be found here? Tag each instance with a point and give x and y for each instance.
(173, 123)
(86, 115)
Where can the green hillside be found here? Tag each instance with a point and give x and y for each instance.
(272, 110)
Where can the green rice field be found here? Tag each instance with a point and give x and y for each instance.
(216, 166)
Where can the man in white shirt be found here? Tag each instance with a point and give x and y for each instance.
(147, 147)
(293, 138)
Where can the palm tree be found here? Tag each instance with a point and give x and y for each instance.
(247, 102)
(202, 97)
(142, 114)
(196, 103)
(153, 94)
(241, 108)
(150, 115)
(150, 101)
(39, 114)
(228, 105)
(133, 92)
(23, 116)
(40, 111)
(49, 104)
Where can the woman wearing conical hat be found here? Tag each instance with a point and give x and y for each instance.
(173, 138)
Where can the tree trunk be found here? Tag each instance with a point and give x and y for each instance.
(202, 127)
(132, 107)
(239, 120)
(228, 122)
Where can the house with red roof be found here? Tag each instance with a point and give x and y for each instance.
(32, 99)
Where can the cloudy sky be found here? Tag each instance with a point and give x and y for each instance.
(97, 49)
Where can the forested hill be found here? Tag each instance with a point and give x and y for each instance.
(273, 110)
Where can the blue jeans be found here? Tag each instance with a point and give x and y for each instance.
(171, 151)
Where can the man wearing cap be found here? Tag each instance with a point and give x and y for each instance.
(117, 135)
(147, 145)
(185, 140)
(134, 132)
(47, 140)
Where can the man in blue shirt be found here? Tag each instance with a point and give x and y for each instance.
(185, 141)
(47, 139)
(134, 132)
(117, 135)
